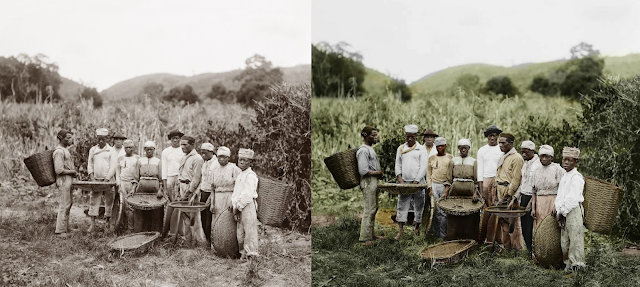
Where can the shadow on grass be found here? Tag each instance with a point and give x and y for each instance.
(339, 259)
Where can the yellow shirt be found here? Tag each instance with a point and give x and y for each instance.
(439, 170)
(509, 172)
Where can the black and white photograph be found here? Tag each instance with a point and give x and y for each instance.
(475, 143)
(155, 143)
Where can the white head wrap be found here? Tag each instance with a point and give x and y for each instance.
(466, 142)
(545, 149)
(149, 144)
(528, 145)
(245, 153)
(102, 132)
(571, 152)
(411, 129)
(223, 150)
(207, 146)
(440, 141)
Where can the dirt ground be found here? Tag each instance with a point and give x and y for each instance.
(32, 255)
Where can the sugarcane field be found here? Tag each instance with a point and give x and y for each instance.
(116, 173)
(475, 174)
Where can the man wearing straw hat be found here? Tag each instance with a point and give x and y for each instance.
(569, 211)
(224, 175)
(411, 168)
(210, 161)
(244, 207)
(439, 178)
(65, 172)
(369, 169)
(508, 178)
(524, 224)
(118, 142)
(171, 158)
(546, 180)
(488, 157)
(101, 167)
(127, 176)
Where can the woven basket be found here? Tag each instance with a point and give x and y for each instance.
(135, 241)
(401, 189)
(504, 212)
(41, 167)
(184, 206)
(94, 185)
(430, 204)
(460, 205)
(146, 201)
(223, 235)
(344, 168)
(448, 252)
(546, 243)
(601, 200)
(273, 201)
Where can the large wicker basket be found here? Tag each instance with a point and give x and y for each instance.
(448, 252)
(401, 189)
(146, 201)
(460, 205)
(134, 242)
(344, 168)
(546, 243)
(223, 235)
(41, 167)
(601, 200)
(273, 201)
(427, 215)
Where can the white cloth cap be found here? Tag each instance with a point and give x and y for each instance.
(528, 144)
(466, 142)
(102, 132)
(245, 153)
(571, 152)
(150, 144)
(207, 146)
(440, 141)
(411, 129)
(127, 143)
(545, 149)
(223, 150)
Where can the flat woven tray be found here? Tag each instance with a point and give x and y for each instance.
(94, 185)
(546, 244)
(185, 207)
(133, 241)
(460, 205)
(146, 201)
(601, 200)
(504, 212)
(448, 252)
(344, 168)
(401, 189)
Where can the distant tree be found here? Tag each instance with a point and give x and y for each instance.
(188, 96)
(153, 89)
(173, 95)
(25, 78)
(256, 79)
(581, 76)
(218, 91)
(468, 82)
(88, 93)
(500, 85)
(336, 71)
(400, 88)
(583, 50)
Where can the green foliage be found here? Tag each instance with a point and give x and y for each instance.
(336, 71)
(25, 79)
(400, 88)
(182, 94)
(500, 85)
(468, 82)
(256, 79)
(558, 135)
(582, 76)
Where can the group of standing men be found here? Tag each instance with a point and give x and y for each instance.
(181, 174)
(500, 176)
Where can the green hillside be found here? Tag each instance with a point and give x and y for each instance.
(521, 75)
(375, 81)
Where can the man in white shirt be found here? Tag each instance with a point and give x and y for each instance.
(101, 166)
(488, 157)
(171, 158)
(207, 151)
(524, 224)
(244, 207)
(411, 168)
(569, 211)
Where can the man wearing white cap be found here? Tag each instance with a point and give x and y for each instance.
(439, 178)
(244, 207)
(150, 172)
(411, 168)
(210, 161)
(546, 180)
(569, 211)
(524, 224)
(101, 166)
(127, 176)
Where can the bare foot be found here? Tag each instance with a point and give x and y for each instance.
(90, 229)
(379, 237)
(368, 243)
(417, 231)
(399, 236)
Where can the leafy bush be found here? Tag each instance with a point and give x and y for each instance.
(468, 82)
(336, 71)
(582, 76)
(400, 88)
(500, 85)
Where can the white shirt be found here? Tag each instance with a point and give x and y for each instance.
(171, 158)
(526, 185)
(119, 152)
(102, 162)
(569, 192)
(412, 165)
(245, 189)
(488, 157)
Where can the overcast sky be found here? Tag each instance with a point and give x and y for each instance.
(410, 39)
(104, 42)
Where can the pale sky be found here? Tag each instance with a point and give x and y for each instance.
(105, 42)
(410, 39)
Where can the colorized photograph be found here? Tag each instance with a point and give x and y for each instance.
(475, 143)
(155, 143)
